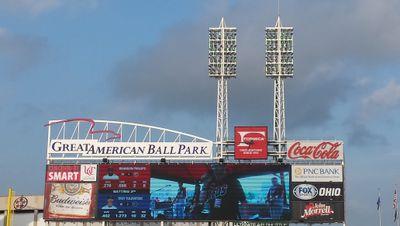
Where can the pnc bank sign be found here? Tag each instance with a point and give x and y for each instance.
(317, 173)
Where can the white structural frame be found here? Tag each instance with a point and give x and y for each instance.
(127, 131)
(279, 65)
(222, 66)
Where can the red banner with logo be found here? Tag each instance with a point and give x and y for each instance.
(63, 173)
(251, 142)
(71, 173)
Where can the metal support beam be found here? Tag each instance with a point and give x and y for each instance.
(279, 134)
(222, 131)
(222, 66)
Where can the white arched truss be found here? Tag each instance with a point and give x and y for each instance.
(82, 129)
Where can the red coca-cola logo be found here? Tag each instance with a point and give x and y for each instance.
(323, 150)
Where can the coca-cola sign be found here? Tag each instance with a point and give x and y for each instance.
(315, 150)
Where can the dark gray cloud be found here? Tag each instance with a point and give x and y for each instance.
(331, 40)
(19, 53)
(359, 135)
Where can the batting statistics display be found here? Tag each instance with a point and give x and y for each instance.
(124, 191)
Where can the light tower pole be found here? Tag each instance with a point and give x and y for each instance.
(222, 66)
(279, 66)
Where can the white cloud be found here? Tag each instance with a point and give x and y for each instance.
(36, 7)
(385, 97)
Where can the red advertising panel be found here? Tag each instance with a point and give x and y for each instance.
(63, 173)
(318, 212)
(71, 173)
(251, 142)
(124, 176)
(70, 200)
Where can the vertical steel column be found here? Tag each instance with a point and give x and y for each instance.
(222, 66)
(279, 66)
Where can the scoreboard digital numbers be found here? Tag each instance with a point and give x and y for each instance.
(124, 191)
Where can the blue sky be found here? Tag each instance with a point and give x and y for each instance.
(146, 61)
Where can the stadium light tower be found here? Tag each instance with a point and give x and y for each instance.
(279, 66)
(222, 66)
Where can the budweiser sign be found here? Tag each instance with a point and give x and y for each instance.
(317, 210)
(69, 200)
(315, 150)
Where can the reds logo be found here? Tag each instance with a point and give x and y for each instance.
(20, 203)
(88, 172)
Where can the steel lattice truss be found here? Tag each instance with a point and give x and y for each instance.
(222, 65)
(110, 131)
(279, 65)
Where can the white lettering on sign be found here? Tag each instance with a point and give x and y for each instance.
(63, 176)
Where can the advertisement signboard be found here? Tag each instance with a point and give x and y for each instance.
(131, 150)
(314, 150)
(311, 191)
(69, 200)
(71, 173)
(251, 142)
(318, 212)
(317, 173)
(22, 202)
(197, 191)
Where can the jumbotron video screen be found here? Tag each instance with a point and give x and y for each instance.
(176, 192)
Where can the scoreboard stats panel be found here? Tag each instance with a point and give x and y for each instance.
(124, 191)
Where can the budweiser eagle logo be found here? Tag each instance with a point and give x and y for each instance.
(316, 210)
